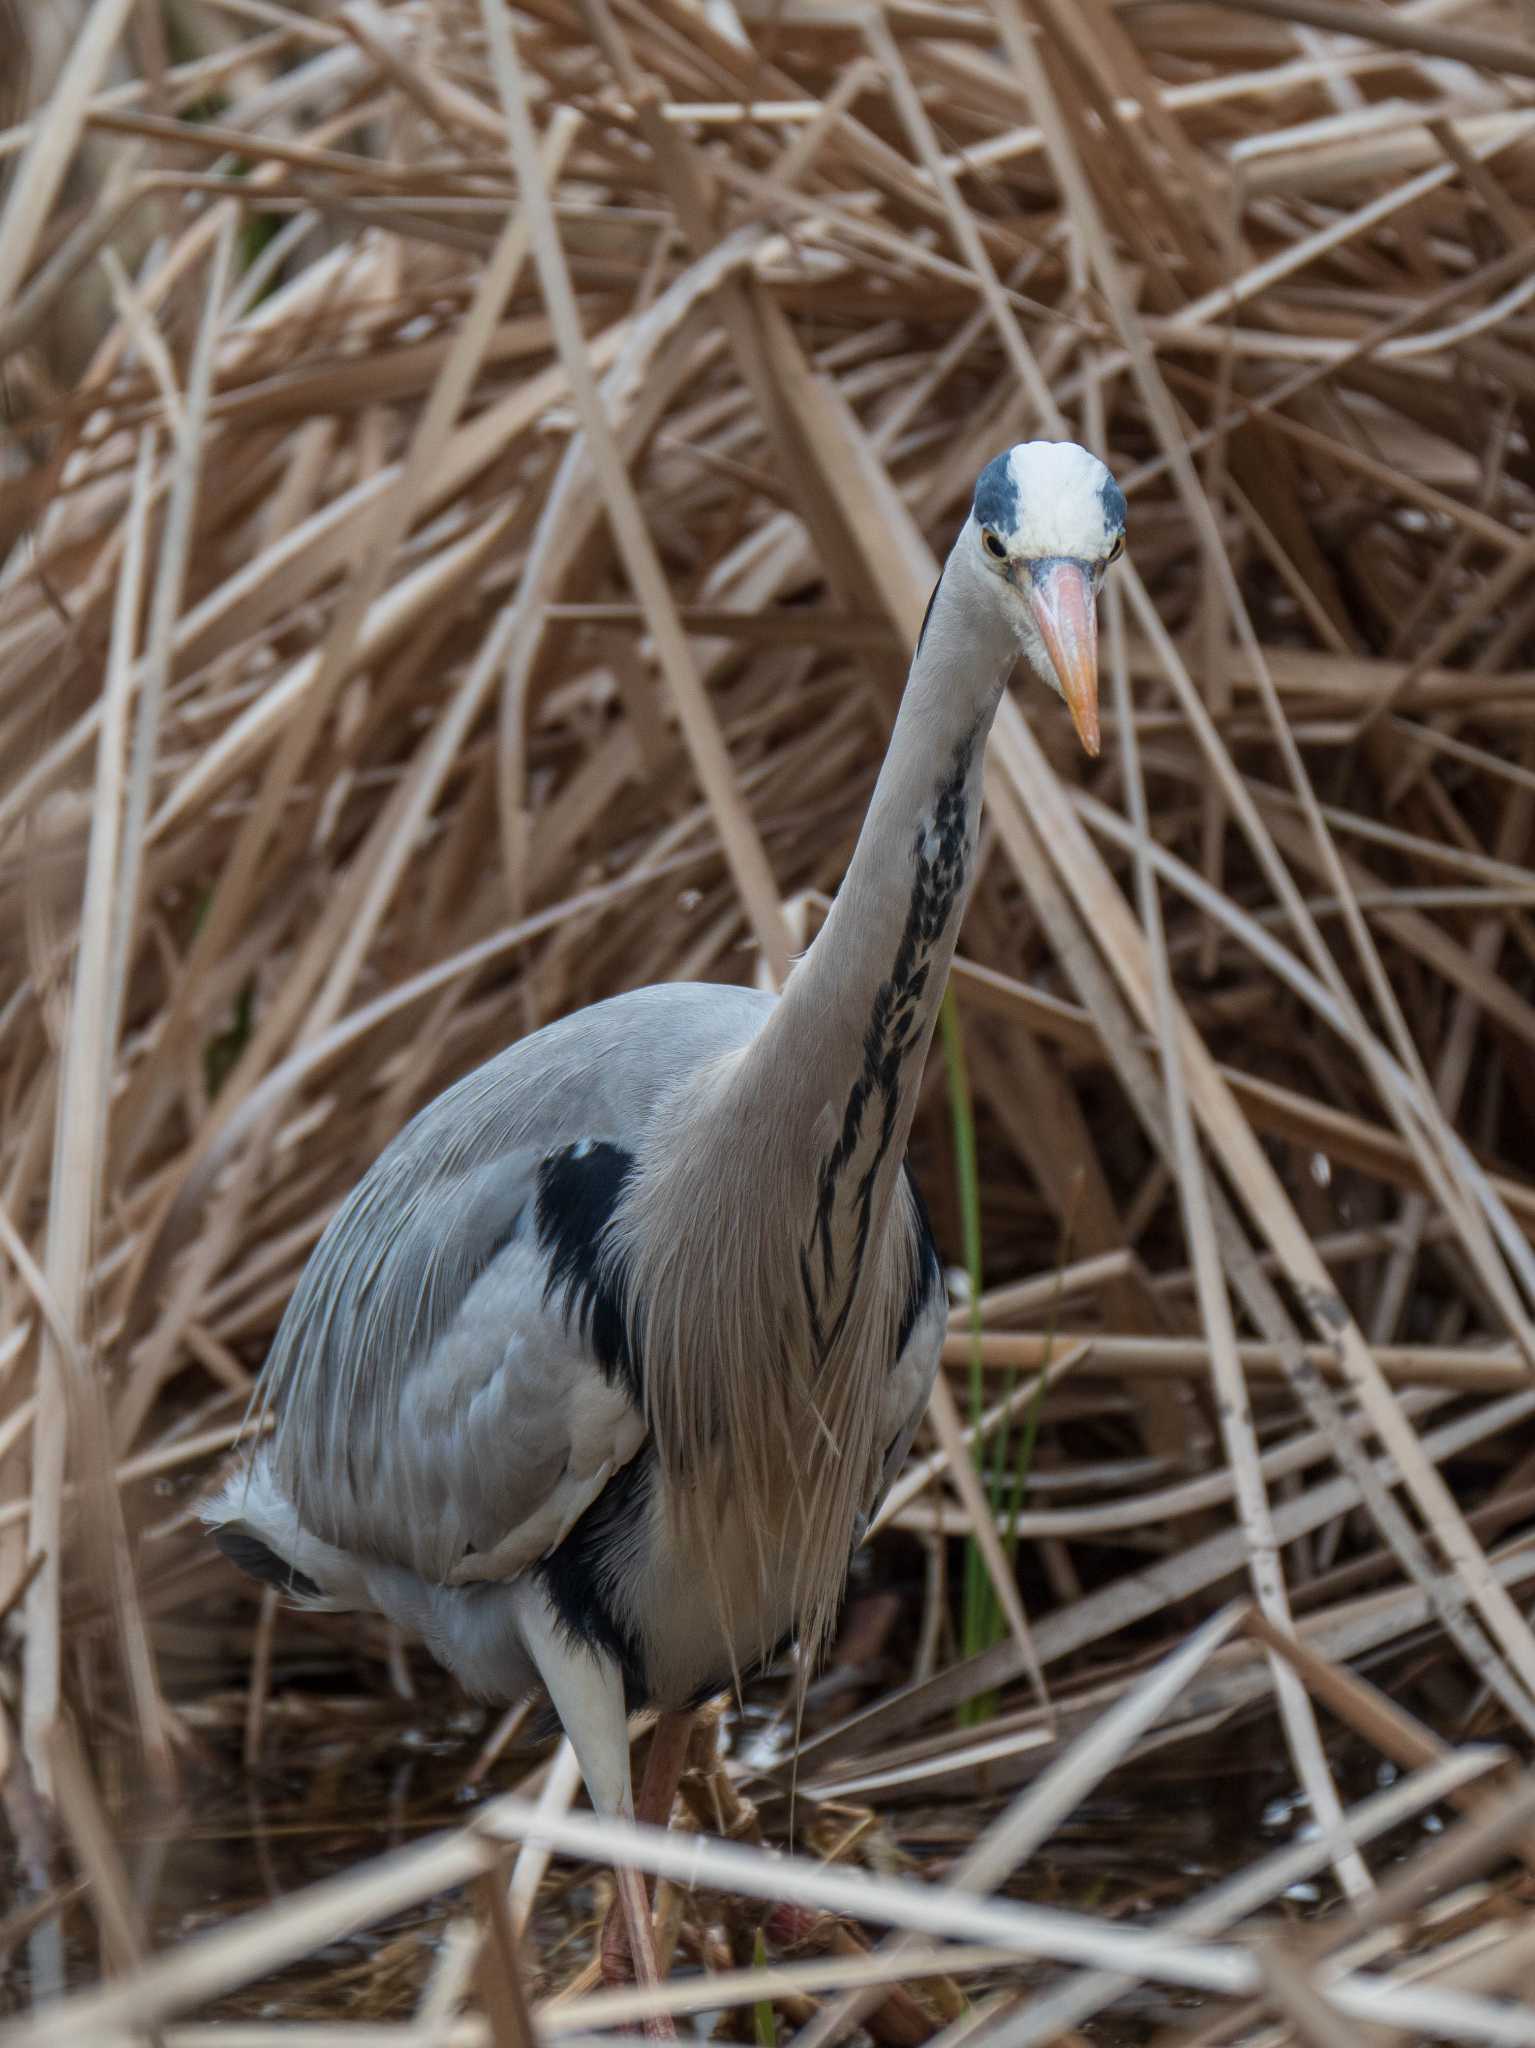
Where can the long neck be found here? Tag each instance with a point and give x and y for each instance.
(754, 1241)
(840, 1061)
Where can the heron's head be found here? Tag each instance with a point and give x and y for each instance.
(1047, 521)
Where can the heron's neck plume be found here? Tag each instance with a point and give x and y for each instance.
(772, 1297)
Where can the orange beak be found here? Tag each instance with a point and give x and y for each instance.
(1060, 595)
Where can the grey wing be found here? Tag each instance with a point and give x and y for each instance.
(439, 1401)
(453, 1381)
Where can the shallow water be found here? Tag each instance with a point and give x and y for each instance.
(344, 1780)
(349, 1769)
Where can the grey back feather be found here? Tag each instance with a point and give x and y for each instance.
(429, 1222)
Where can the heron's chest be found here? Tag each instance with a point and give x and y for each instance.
(710, 1607)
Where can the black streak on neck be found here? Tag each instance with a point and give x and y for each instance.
(939, 855)
(927, 615)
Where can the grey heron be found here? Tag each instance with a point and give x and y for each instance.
(595, 1379)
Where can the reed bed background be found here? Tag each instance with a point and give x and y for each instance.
(471, 486)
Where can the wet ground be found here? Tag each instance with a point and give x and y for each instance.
(343, 1779)
(361, 1751)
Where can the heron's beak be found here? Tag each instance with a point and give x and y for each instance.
(1060, 595)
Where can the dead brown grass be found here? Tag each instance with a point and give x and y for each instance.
(461, 564)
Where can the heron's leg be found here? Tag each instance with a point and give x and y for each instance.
(663, 1766)
(658, 1789)
(588, 1694)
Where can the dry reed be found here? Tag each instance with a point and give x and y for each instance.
(456, 570)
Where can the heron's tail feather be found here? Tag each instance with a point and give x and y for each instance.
(257, 1528)
(473, 1630)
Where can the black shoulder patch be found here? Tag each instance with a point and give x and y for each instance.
(996, 496)
(260, 1561)
(1112, 499)
(578, 1191)
(926, 1268)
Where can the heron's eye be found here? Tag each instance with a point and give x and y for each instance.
(1117, 549)
(994, 547)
